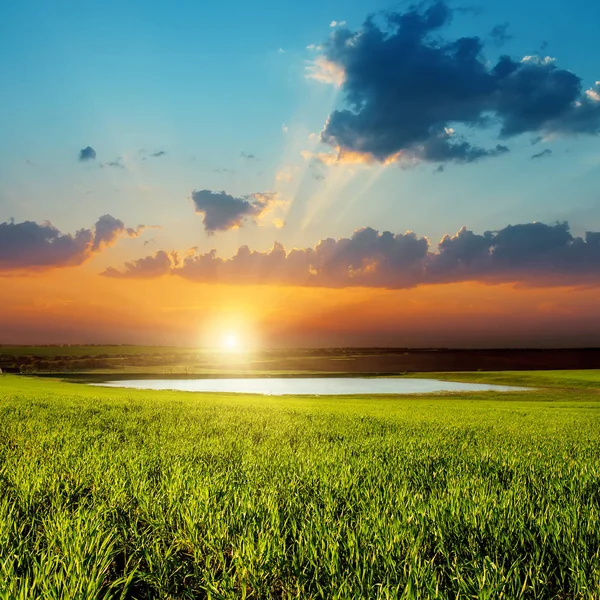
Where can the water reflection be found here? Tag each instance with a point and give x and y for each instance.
(314, 386)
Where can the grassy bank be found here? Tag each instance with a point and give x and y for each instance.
(121, 493)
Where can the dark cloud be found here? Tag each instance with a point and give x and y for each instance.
(534, 95)
(158, 154)
(87, 153)
(529, 254)
(248, 156)
(222, 211)
(499, 34)
(546, 152)
(532, 253)
(223, 170)
(406, 87)
(439, 149)
(32, 246)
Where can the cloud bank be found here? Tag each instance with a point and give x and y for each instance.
(32, 246)
(528, 254)
(406, 88)
(222, 211)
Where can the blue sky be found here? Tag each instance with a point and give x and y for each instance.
(165, 167)
(206, 83)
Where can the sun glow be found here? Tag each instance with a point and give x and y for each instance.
(230, 332)
(230, 342)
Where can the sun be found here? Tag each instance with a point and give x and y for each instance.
(230, 342)
(228, 335)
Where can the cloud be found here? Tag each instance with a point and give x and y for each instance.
(108, 229)
(500, 35)
(32, 246)
(332, 263)
(337, 24)
(248, 156)
(222, 211)
(149, 267)
(546, 152)
(438, 149)
(403, 85)
(325, 71)
(341, 156)
(285, 174)
(528, 254)
(87, 153)
(116, 164)
(145, 154)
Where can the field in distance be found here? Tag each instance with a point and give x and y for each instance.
(108, 493)
(164, 360)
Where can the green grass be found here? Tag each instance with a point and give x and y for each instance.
(108, 493)
(572, 379)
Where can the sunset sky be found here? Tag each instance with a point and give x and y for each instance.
(320, 173)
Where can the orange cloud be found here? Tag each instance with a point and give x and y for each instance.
(344, 156)
(325, 71)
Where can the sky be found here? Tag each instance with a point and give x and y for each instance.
(321, 173)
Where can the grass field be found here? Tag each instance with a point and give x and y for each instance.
(108, 493)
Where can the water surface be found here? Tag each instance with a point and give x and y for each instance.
(314, 386)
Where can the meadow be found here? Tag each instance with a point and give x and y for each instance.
(108, 493)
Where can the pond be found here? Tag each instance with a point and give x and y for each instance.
(314, 386)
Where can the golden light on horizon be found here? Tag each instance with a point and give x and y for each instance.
(230, 342)
(230, 331)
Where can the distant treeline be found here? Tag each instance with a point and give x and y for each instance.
(73, 359)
